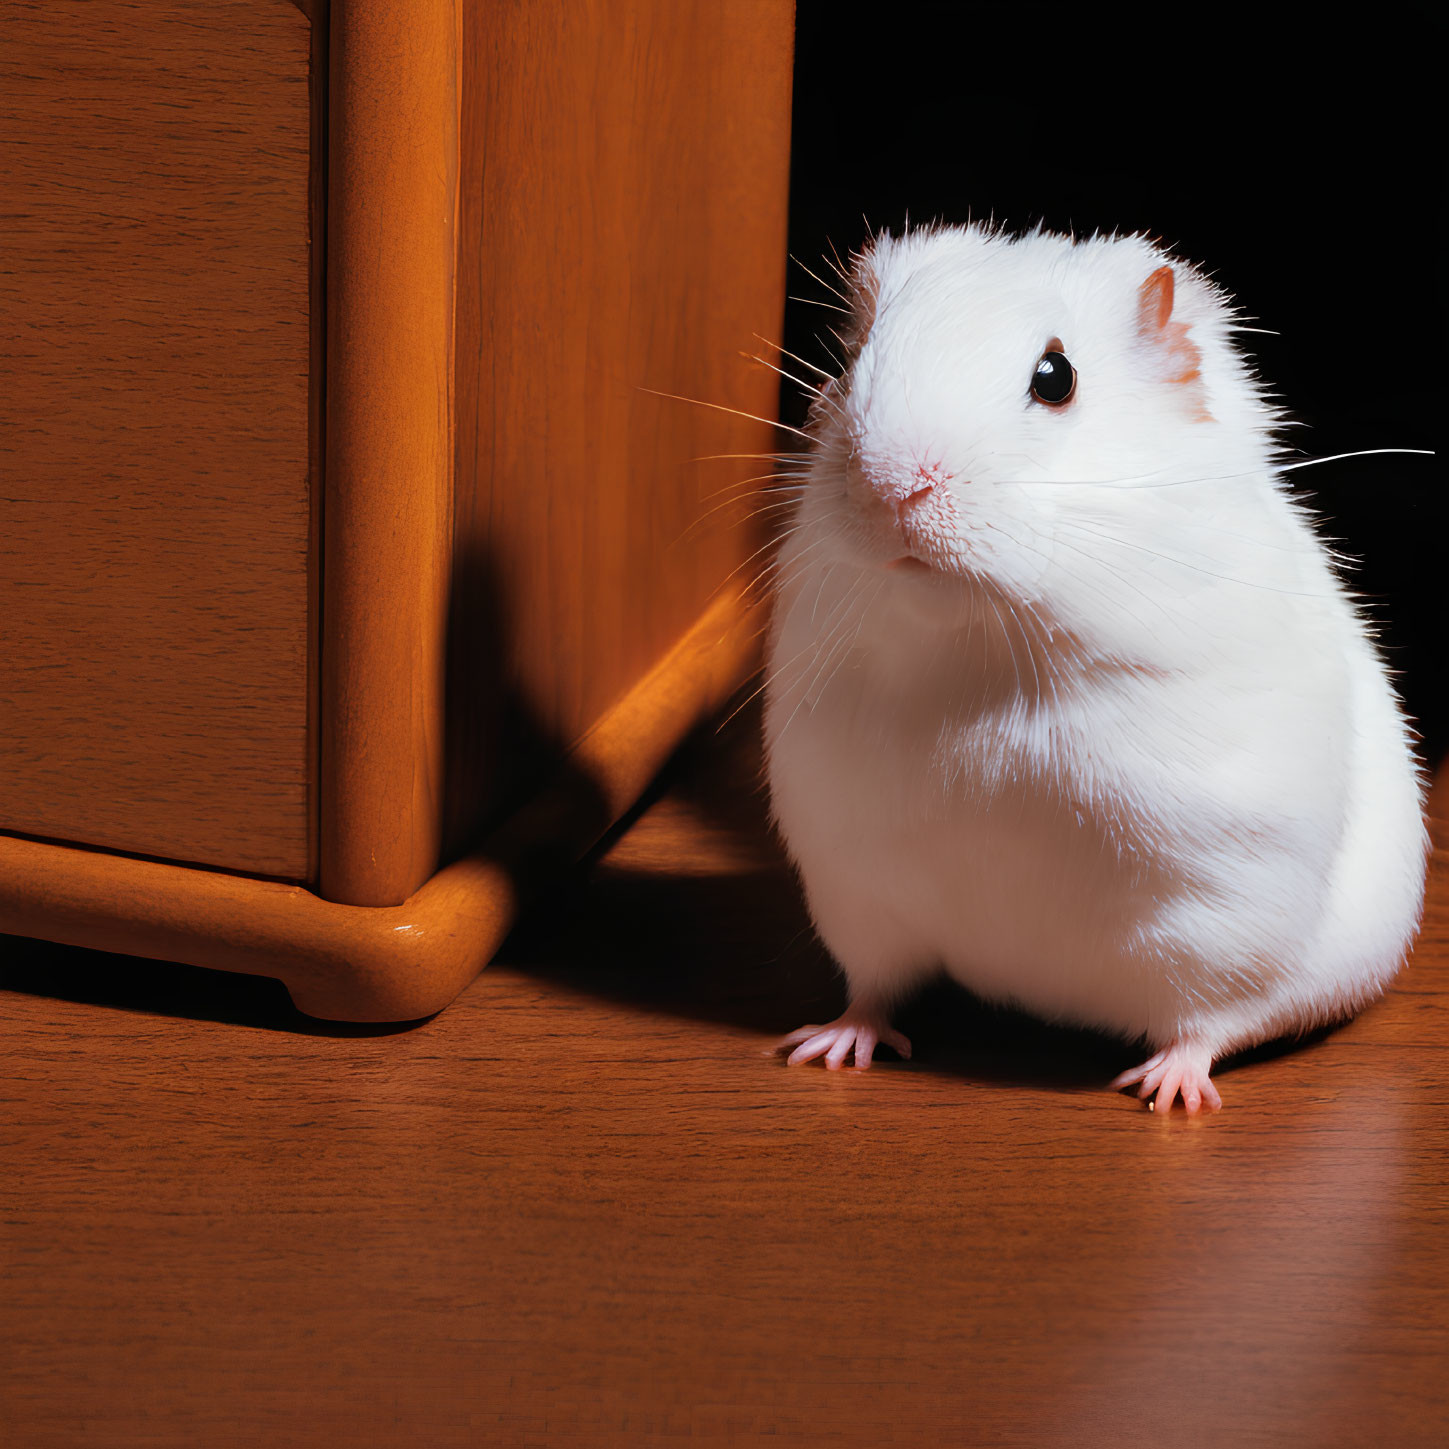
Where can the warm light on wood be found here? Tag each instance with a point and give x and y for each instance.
(383, 549)
(154, 494)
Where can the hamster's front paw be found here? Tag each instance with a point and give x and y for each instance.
(1182, 1068)
(857, 1031)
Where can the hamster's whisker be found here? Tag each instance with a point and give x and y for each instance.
(1362, 453)
(755, 457)
(814, 646)
(1016, 542)
(833, 263)
(775, 496)
(735, 412)
(756, 495)
(1048, 655)
(1277, 465)
(762, 510)
(794, 577)
(779, 481)
(749, 699)
(1261, 543)
(776, 564)
(753, 695)
(828, 652)
(1030, 652)
(1278, 462)
(1081, 527)
(773, 483)
(823, 397)
(799, 566)
(764, 548)
(816, 302)
(1197, 527)
(849, 645)
(1155, 480)
(766, 678)
(1006, 635)
(794, 357)
(820, 589)
(743, 506)
(799, 382)
(834, 291)
(841, 269)
(1096, 560)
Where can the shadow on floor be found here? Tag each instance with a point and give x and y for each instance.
(739, 952)
(737, 948)
(733, 947)
(163, 988)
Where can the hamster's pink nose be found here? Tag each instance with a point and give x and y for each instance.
(927, 477)
(900, 488)
(904, 505)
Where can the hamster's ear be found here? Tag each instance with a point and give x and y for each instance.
(1175, 356)
(1154, 302)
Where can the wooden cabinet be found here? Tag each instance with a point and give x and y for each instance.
(155, 509)
(352, 569)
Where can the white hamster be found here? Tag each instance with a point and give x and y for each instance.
(1064, 693)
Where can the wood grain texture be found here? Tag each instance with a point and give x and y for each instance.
(154, 493)
(397, 963)
(624, 172)
(582, 1207)
(392, 198)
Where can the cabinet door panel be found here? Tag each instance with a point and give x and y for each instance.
(155, 518)
(624, 168)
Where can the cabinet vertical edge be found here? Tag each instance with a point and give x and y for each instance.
(316, 12)
(392, 146)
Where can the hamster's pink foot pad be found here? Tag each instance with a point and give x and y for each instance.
(856, 1032)
(1179, 1069)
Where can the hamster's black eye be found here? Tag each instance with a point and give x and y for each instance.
(1055, 379)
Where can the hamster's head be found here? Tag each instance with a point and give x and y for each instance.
(1010, 401)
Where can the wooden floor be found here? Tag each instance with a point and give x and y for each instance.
(583, 1206)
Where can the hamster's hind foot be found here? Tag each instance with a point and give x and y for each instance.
(1179, 1069)
(856, 1032)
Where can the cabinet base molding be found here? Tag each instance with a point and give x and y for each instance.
(384, 963)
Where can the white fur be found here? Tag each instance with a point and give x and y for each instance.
(1124, 753)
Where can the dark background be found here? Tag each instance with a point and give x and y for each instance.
(1301, 164)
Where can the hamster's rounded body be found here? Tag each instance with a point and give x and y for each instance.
(1069, 702)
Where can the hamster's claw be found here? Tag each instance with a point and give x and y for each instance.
(1177, 1070)
(849, 1034)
